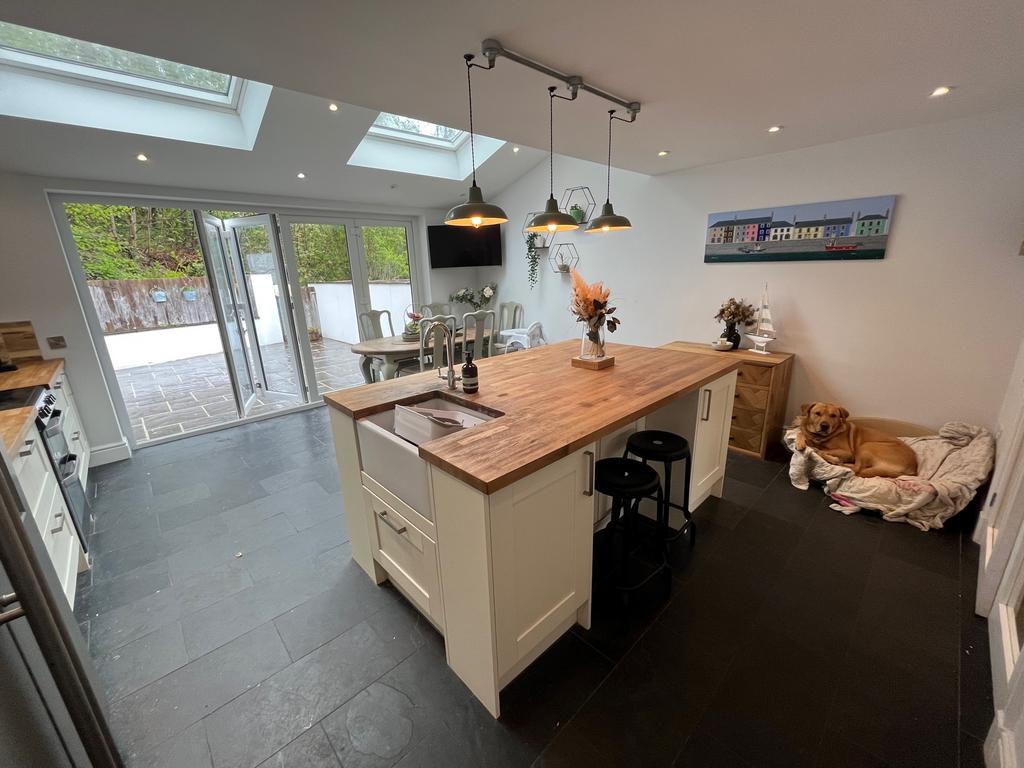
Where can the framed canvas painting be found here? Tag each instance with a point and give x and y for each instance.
(838, 229)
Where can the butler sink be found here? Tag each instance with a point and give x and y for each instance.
(394, 462)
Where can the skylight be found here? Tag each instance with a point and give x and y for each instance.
(389, 125)
(34, 48)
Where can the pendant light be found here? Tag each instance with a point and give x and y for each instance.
(552, 220)
(609, 221)
(474, 212)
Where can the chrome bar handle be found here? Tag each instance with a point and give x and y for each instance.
(59, 528)
(590, 473)
(58, 385)
(707, 406)
(11, 615)
(387, 521)
(27, 451)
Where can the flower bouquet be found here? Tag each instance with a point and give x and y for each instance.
(476, 299)
(590, 307)
(734, 312)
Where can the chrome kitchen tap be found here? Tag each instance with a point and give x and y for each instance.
(449, 346)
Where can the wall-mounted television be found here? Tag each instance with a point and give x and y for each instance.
(464, 246)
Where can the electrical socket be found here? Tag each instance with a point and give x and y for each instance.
(56, 342)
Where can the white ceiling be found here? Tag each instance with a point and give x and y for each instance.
(712, 76)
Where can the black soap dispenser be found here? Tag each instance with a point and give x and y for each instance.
(470, 377)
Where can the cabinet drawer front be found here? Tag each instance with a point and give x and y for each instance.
(754, 375)
(32, 469)
(746, 439)
(744, 418)
(409, 557)
(751, 397)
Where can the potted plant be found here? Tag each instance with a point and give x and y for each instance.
(735, 312)
(314, 333)
(577, 212)
(475, 299)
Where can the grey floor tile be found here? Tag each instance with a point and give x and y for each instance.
(278, 557)
(124, 589)
(329, 507)
(128, 532)
(310, 750)
(290, 501)
(120, 561)
(223, 621)
(140, 662)
(222, 549)
(263, 720)
(168, 706)
(187, 749)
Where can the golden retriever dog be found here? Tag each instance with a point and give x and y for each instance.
(868, 452)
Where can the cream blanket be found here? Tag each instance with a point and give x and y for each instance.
(951, 466)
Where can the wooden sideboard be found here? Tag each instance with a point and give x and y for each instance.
(762, 388)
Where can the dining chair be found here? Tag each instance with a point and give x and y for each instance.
(436, 309)
(510, 315)
(433, 356)
(370, 325)
(484, 334)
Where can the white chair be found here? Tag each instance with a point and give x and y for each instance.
(510, 315)
(436, 309)
(434, 356)
(524, 338)
(370, 324)
(483, 322)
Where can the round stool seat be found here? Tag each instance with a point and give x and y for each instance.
(625, 478)
(658, 445)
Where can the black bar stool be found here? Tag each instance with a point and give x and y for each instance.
(628, 481)
(668, 448)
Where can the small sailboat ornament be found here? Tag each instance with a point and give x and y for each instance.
(764, 331)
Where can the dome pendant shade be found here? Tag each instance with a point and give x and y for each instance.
(608, 221)
(552, 220)
(475, 212)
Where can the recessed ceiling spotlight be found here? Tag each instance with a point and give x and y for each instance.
(333, 107)
(942, 90)
(664, 153)
(775, 129)
(142, 158)
(300, 175)
(515, 149)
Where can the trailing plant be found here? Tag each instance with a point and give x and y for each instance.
(532, 258)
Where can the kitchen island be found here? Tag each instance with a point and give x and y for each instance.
(489, 531)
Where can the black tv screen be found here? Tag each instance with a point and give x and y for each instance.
(464, 246)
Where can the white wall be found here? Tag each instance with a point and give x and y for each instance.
(268, 320)
(928, 334)
(128, 350)
(336, 306)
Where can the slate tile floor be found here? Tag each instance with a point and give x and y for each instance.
(793, 635)
(180, 396)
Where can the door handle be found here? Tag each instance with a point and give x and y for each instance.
(707, 406)
(59, 528)
(11, 615)
(27, 450)
(387, 521)
(590, 473)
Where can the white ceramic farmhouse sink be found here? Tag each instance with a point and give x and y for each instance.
(395, 462)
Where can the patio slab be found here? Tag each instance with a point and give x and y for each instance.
(181, 396)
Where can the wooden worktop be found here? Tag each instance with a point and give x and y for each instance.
(16, 422)
(550, 408)
(745, 355)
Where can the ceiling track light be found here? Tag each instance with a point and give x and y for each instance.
(552, 219)
(475, 212)
(609, 220)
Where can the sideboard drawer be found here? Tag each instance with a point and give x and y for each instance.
(744, 418)
(752, 398)
(745, 439)
(754, 375)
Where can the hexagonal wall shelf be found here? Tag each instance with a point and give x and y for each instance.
(563, 258)
(579, 203)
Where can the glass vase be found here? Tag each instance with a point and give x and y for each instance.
(592, 347)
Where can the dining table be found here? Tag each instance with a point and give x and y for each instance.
(391, 351)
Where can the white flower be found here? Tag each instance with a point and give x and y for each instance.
(488, 291)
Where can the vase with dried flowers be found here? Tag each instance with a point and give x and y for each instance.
(590, 307)
(733, 313)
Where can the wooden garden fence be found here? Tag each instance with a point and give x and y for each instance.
(126, 306)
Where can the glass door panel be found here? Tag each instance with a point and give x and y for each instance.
(226, 305)
(331, 283)
(385, 253)
(272, 338)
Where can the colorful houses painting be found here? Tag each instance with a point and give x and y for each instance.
(839, 229)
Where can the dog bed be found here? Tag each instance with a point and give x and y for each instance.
(951, 466)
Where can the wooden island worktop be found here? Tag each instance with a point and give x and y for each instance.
(550, 409)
